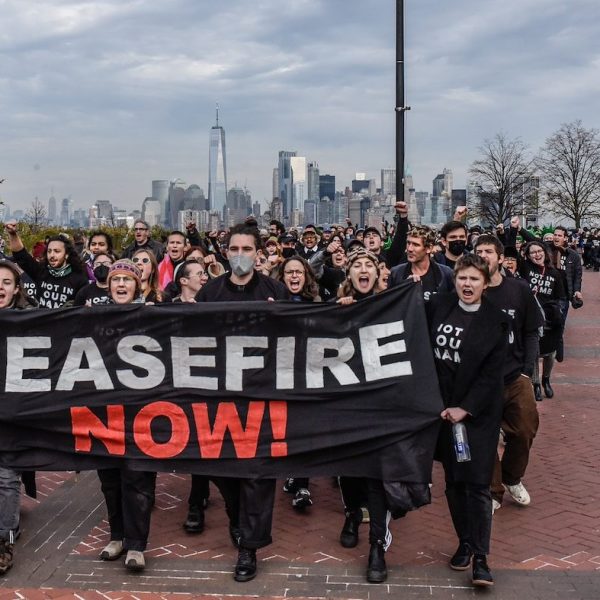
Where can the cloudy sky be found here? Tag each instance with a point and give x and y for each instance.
(97, 98)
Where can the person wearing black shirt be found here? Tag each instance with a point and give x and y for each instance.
(520, 418)
(96, 293)
(546, 283)
(469, 336)
(419, 267)
(61, 274)
(454, 240)
(249, 502)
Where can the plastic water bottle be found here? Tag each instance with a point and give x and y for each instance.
(461, 442)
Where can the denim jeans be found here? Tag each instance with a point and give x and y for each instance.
(10, 503)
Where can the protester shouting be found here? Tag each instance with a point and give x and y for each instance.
(59, 276)
(469, 337)
(96, 293)
(129, 495)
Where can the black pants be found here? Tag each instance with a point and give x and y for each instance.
(129, 497)
(471, 511)
(249, 506)
(199, 491)
(354, 493)
(379, 515)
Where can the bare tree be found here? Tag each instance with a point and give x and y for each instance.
(36, 215)
(570, 164)
(500, 176)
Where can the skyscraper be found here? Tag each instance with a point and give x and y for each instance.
(313, 180)
(160, 192)
(217, 168)
(388, 182)
(293, 188)
(52, 210)
(327, 186)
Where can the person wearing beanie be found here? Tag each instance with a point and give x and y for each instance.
(129, 495)
(124, 282)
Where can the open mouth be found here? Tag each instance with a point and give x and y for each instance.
(467, 293)
(364, 282)
(295, 285)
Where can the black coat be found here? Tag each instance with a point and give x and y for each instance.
(477, 387)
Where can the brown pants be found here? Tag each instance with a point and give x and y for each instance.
(520, 423)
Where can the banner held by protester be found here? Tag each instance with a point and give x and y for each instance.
(244, 389)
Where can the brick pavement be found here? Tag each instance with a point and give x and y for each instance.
(550, 549)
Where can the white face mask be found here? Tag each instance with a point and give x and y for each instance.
(241, 265)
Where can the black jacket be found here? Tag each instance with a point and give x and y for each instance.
(477, 387)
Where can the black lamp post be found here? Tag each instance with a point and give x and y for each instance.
(400, 101)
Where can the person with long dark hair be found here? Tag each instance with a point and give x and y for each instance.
(546, 282)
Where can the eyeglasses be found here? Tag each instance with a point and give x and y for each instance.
(105, 263)
(201, 274)
(122, 279)
(293, 272)
(140, 229)
(144, 261)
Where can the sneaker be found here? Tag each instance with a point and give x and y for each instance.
(495, 505)
(6, 556)
(461, 559)
(112, 550)
(519, 494)
(302, 499)
(134, 560)
(289, 486)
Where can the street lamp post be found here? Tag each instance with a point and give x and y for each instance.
(400, 101)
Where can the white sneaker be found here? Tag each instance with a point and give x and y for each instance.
(519, 494)
(495, 505)
(134, 560)
(112, 550)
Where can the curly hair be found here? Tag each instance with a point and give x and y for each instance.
(71, 258)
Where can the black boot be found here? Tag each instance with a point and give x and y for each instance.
(377, 570)
(547, 387)
(195, 519)
(349, 534)
(537, 392)
(245, 569)
(482, 576)
(461, 560)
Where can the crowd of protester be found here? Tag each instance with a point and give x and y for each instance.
(496, 301)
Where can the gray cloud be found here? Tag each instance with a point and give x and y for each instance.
(106, 96)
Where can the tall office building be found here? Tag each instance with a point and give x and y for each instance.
(52, 210)
(66, 212)
(293, 184)
(313, 180)
(388, 182)
(160, 192)
(327, 186)
(275, 183)
(217, 168)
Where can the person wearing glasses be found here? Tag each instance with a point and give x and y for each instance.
(128, 494)
(146, 262)
(297, 276)
(142, 240)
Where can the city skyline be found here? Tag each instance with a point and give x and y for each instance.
(94, 109)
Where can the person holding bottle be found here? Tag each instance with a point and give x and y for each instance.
(469, 337)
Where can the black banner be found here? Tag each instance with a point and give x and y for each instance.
(241, 389)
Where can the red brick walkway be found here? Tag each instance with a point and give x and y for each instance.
(558, 535)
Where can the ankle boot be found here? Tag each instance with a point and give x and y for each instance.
(537, 392)
(482, 576)
(547, 387)
(377, 570)
(349, 534)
